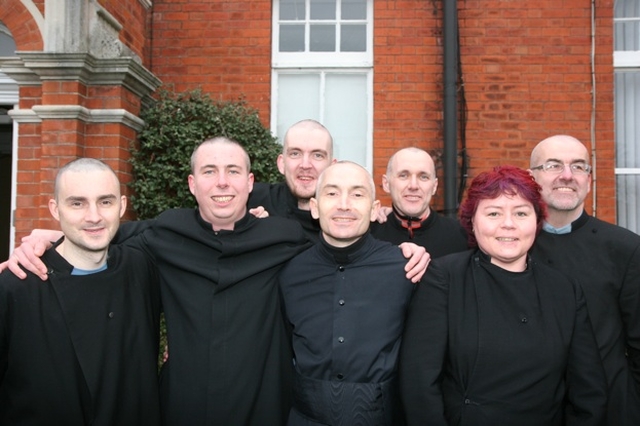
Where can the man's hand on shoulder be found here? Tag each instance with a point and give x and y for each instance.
(259, 212)
(383, 212)
(418, 261)
(29, 252)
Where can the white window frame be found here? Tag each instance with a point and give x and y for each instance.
(323, 63)
(626, 61)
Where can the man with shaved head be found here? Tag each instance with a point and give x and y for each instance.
(345, 299)
(82, 347)
(411, 181)
(307, 150)
(604, 258)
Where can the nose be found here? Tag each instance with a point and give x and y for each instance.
(413, 181)
(92, 214)
(306, 161)
(507, 221)
(222, 180)
(344, 203)
(566, 172)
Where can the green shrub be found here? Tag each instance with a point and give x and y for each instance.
(174, 126)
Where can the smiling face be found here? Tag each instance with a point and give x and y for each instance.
(344, 203)
(411, 181)
(306, 153)
(505, 229)
(564, 193)
(88, 206)
(221, 182)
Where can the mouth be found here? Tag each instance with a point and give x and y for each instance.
(506, 239)
(222, 198)
(93, 231)
(306, 179)
(342, 219)
(564, 189)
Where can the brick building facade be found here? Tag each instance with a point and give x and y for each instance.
(83, 70)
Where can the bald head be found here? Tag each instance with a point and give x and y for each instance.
(309, 129)
(411, 181)
(563, 188)
(558, 144)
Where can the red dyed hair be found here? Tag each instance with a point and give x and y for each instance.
(502, 180)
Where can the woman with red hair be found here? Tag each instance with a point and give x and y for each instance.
(494, 338)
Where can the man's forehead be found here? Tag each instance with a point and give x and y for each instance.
(345, 176)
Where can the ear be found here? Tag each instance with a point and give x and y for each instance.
(251, 179)
(53, 209)
(435, 186)
(280, 162)
(192, 184)
(123, 205)
(313, 206)
(385, 184)
(375, 207)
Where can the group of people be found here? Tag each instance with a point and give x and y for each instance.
(528, 312)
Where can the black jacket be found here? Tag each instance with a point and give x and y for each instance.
(485, 346)
(439, 235)
(605, 260)
(229, 356)
(347, 308)
(81, 350)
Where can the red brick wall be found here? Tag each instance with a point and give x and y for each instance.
(134, 18)
(527, 74)
(526, 69)
(222, 46)
(24, 29)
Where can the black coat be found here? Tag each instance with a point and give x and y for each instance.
(485, 346)
(278, 200)
(605, 260)
(439, 235)
(347, 308)
(81, 350)
(229, 355)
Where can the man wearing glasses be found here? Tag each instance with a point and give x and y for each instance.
(604, 258)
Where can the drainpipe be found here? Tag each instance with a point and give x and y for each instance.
(450, 77)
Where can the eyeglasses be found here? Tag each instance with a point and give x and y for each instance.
(556, 167)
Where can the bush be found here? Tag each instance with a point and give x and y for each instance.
(174, 126)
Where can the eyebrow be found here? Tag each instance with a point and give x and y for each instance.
(226, 166)
(351, 188)
(101, 197)
(580, 160)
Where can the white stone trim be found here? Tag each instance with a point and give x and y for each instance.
(76, 112)
(24, 116)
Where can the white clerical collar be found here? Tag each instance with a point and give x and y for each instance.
(553, 230)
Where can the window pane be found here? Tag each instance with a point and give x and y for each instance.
(298, 98)
(345, 115)
(628, 207)
(322, 38)
(291, 38)
(354, 9)
(627, 33)
(292, 10)
(7, 45)
(353, 38)
(627, 108)
(323, 9)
